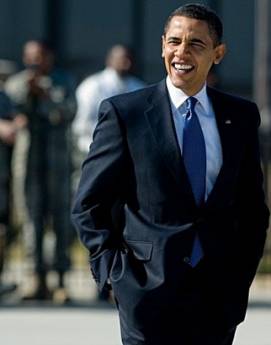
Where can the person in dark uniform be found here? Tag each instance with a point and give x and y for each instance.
(45, 94)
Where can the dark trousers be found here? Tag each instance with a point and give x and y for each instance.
(187, 334)
(48, 194)
(193, 320)
(212, 337)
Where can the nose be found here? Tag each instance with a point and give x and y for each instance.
(182, 49)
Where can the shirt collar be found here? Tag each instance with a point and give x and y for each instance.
(178, 97)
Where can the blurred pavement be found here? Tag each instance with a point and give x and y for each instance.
(70, 326)
(86, 322)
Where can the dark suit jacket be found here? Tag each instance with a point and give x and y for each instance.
(135, 160)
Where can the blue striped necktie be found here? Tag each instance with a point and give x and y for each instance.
(194, 156)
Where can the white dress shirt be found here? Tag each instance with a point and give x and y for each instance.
(208, 124)
(89, 95)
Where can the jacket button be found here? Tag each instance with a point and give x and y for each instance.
(186, 260)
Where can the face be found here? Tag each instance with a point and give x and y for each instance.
(189, 52)
(35, 55)
(120, 60)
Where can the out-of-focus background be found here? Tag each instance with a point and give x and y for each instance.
(58, 60)
(81, 32)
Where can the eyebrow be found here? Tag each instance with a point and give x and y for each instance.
(193, 40)
(173, 38)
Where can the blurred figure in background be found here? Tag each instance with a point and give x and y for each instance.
(115, 79)
(10, 123)
(45, 94)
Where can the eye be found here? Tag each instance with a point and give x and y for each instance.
(173, 41)
(197, 44)
(197, 47)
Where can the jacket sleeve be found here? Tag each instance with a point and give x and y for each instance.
(101, 185)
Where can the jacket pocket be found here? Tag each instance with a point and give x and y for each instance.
(129, 263)
(142, 250)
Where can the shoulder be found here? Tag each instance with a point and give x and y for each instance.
(21, 76)
(128, 107)
(135, 83)
(89, 82)
(228, 97)
(92, 78)
(137, 98)
(16, 85)
(244, 109)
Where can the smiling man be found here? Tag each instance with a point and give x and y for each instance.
(170, 203)
(190, 47)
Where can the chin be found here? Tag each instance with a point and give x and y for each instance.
(179, 84)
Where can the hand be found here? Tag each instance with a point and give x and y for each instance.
(20, 121)
(38, 84)
(7, 132)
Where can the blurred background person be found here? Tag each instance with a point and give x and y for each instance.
(10, 123)
(115, 78)
(45, 94)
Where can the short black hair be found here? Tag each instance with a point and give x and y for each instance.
(200, 12)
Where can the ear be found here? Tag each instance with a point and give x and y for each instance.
(220, 51)
(163, 46)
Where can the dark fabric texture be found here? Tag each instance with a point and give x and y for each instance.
(135, 159)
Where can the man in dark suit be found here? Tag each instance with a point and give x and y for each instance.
(170, 203)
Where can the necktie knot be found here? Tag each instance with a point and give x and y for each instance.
(190, 103)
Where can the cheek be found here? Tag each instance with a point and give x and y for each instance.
(167, 56)
(205, 65)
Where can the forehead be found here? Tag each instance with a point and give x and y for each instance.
(179, 25)
(33, 48)
(119, 52)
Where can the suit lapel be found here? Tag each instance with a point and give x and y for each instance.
(230, 143)
(160, 119)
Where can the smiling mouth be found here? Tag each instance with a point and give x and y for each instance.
(183, 68)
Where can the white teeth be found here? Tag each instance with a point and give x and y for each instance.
(182, 67)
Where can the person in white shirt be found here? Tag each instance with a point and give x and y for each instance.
(115, 79)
